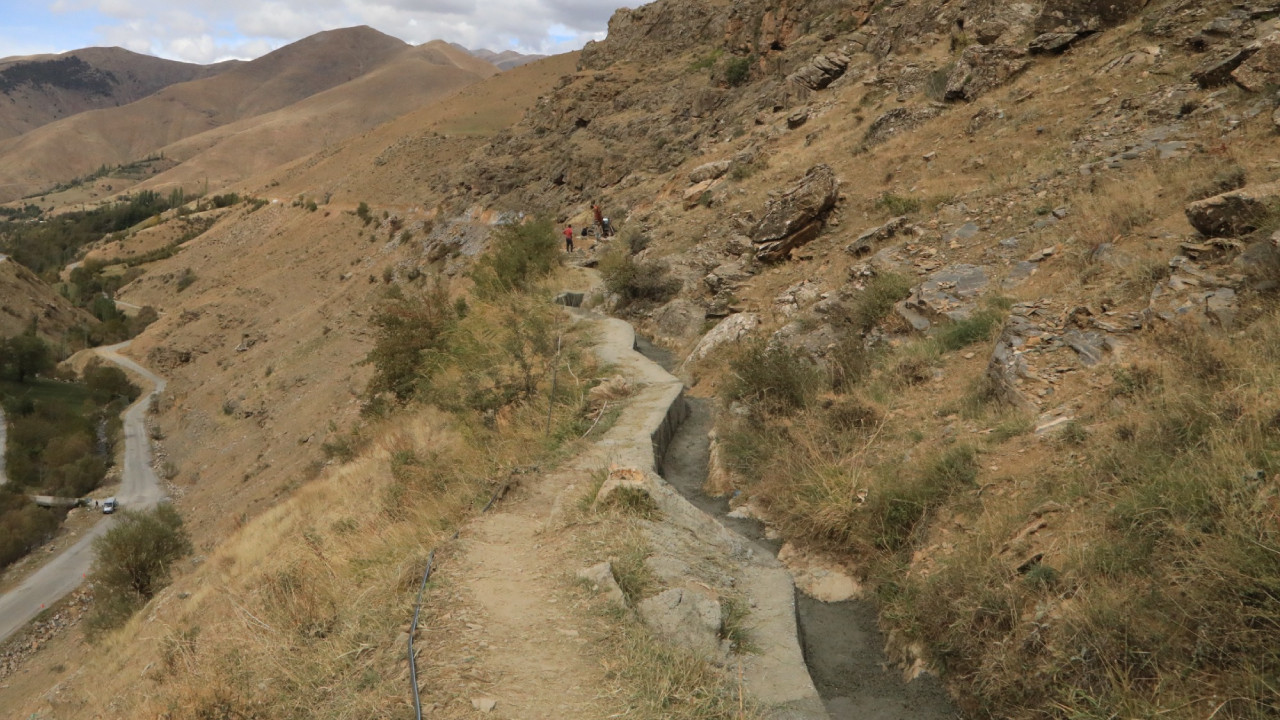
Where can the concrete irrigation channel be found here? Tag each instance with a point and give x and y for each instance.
(843, 647)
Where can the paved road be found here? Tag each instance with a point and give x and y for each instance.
(139, 489)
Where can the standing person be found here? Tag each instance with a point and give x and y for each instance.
(568, 238)
(599, 220)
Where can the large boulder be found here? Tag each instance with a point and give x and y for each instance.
(795, 217)
(982, 68)
(729, 330)
(1236, 212)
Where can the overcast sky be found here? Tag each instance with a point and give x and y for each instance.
(205, 31)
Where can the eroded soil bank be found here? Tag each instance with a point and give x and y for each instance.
(843, 647)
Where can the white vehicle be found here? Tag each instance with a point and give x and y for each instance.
(109, 506)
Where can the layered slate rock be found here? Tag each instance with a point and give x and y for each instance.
(1052, 43)
(821, 71)
(1262, 69)
(1217, 71)
(1234, 213)
(797, 216)
(983, 68)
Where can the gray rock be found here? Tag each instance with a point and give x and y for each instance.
(1052, 43)
(1004, 370)
(709, 171)
(602, 581)
(867, 240)
(982, 68)
(1236, 212)
(730, 329)
(897, 120)
(951, 292)
(821, 71)
(1220, 307)
(797, 118)
(1217, 71)
(1090, 345)
(684, 617)
(964, 232)
(796, 217)
(681, 318)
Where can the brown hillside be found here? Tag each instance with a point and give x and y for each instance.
(416, 78)
(109, 77)
(23, 296)
(82, 143)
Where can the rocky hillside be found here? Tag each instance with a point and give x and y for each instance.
(986, 293)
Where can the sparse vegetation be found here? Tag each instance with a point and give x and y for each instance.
(519, 255)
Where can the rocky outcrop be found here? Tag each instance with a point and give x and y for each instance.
(1217, 71)
(1236, 212)
(796, 217)
(867, 241)
(659, 29)
(1262, 69)
(950, 293)
(1052, 43)
(896, 121)
(709, 171)
(1079, 16)
(982, 68)
(821, 71)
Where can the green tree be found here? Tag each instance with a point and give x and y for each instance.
(410, 342)
(23, 357)
(519, 254)
(133, 563)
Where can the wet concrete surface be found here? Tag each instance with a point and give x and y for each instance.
(842, 644)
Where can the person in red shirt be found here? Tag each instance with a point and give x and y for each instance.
(568, 238)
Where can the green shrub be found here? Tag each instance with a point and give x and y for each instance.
(737, 71)
(962, 333)
(897, 204)
(519, 254)
(362, 212)
(637, 282)
(133, 563)
(777, 379)
(634, 239)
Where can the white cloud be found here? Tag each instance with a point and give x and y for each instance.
(208, 30)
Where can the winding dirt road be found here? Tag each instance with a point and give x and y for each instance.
(139, 489)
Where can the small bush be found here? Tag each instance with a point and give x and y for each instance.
(634, 239)
(637, 282)
(362, 212)
(876, 301)
(962, 333)
(133, 563)
(897, 204)
(935, 86)
(410, 342)
(186, 279)
(775, 379)
(738, 70)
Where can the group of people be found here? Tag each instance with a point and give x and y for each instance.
(602, 228)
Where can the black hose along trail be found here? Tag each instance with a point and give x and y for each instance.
(843, 647)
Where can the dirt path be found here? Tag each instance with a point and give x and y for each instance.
(527, 630)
